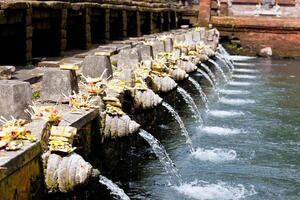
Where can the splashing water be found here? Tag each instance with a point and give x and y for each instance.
(218, 68)
(223, 113)
(244, 64)
(115, 190)
(241, 58)
(239, 83)
(230, 92)
(223, 50)
(207, 77)
(211, 74)
(190, 102)
(220, 190)
(226, 63)
(242, 76)
(163, 157)
(181, 124)
(224, 54)
(214, 155)
(246, 70)
(201, 93)
(236, 101)
(215, 130)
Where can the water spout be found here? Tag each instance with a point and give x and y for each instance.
(207, 77)
(227, 64)
(218, 68)
(181, 124)
(163, 157)
(202, 94)
(115, 190)
(190, 102)
(210, 73)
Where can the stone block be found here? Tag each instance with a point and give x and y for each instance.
(210, 35)
(145, 51)
(266, 52)
(57, 84)
(202, 33)
(189, 37)
(6, 72)
(128, 58)
(15, 97)
(197, 36)
(94, 66)
(48, 63)
(179, 38)
(158, 47)
(168, 44)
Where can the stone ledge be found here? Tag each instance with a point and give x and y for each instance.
(79, 120)
(10, 161)
(267, 23)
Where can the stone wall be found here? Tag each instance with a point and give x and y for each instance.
(248, 26)
(33, 29)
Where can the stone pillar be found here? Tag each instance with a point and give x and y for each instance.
(107, 24)
(15, 97)
(63, 30)
(176, 19)
(88, 34)
(28, 36)
(58, 84)
(162, 21)
(204, 12)
(124, 17)
(169, 19)
(138, 24)
(152, 25)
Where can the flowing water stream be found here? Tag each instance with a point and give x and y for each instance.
(181, 124)
(201, 93)
(206, 76)
(218, 68)
(248, 147)
(191, 103)
(163, 157)
(115, 190)
(210, 73)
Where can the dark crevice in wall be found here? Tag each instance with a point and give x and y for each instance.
(46, 32)
(98, 26)
(76, 30)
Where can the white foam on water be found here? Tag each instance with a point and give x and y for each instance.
(239, 83)
(236, 101)
(214, 191)
(245, 70)
(241, 58)
(214, 155)
(244, 76)
(243, 64)
(234, 92)
(224, 113)
(216, 130)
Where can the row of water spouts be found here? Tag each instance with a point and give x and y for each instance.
(159, 150)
